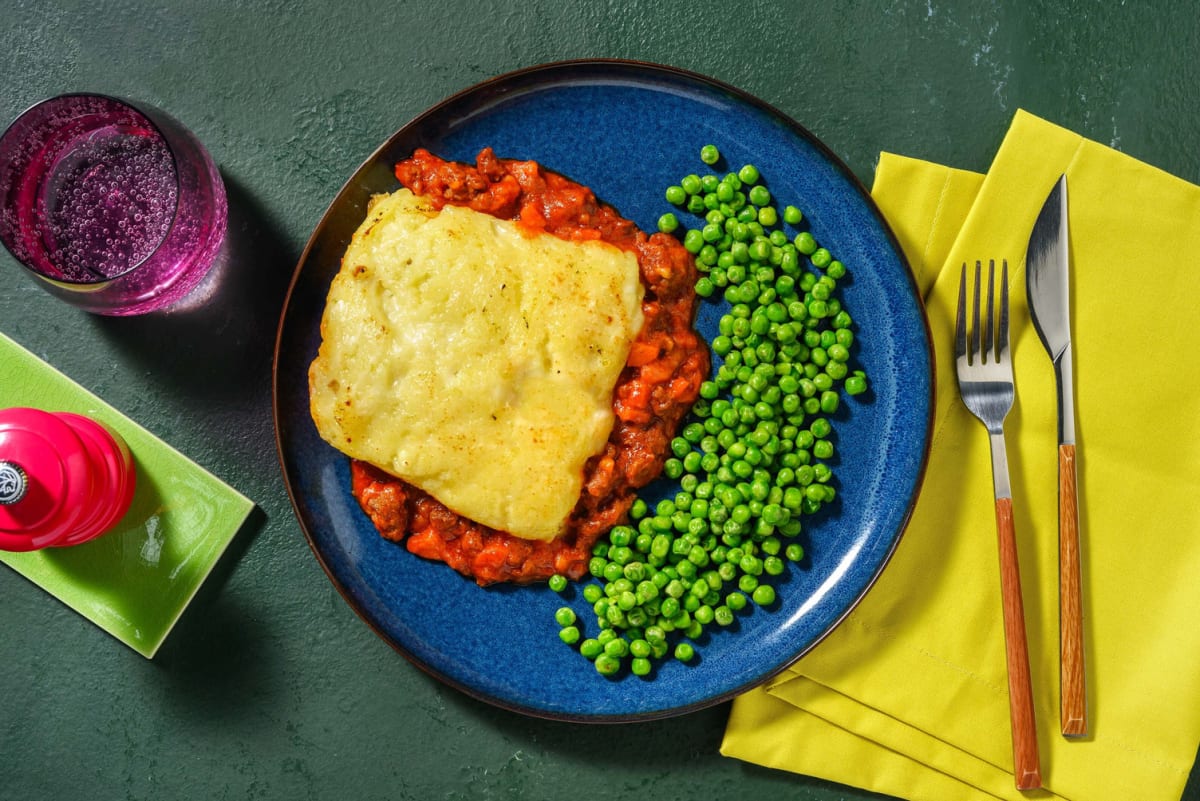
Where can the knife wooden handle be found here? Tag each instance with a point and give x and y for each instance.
(1026, 769)
(1073, 713)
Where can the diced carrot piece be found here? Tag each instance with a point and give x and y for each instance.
(642, 353)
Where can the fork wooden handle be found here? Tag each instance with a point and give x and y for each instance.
(1073, 713)
(1026, 769)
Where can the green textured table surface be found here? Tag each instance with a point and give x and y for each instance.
(270, 687)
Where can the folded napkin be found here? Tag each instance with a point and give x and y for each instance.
(909, 695)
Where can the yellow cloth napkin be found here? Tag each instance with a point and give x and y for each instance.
(909, 695)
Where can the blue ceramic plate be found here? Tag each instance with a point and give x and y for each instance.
(627, 130)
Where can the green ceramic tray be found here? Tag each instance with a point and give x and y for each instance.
(135, 581)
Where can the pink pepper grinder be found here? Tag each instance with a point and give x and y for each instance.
(64, 479)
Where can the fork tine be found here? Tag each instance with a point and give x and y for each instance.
(1002, 336)
(960, 320)
(976, 355)
(990, 352)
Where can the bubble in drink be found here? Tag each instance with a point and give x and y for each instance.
(109, 200)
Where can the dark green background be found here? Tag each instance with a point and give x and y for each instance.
(270, 687)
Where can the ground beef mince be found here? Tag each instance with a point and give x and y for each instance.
(661, 379)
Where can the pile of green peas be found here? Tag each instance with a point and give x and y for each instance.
(752, 459)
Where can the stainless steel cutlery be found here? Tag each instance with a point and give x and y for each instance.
(985, 380)
(1047, 275)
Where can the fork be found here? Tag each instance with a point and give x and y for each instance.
(985, 381)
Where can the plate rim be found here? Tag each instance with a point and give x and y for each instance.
(659, 70)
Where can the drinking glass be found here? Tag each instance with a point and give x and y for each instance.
(114, 205)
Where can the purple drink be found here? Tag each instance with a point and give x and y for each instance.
(120, 210)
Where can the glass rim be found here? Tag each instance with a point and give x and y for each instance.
(146, 111)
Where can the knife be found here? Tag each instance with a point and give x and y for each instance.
(1047, 273)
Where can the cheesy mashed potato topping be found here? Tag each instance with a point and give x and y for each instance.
(475, 359)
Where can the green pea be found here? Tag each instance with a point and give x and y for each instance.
(709, 154)
(617, 647)
(634, 572)
(805, 243)
(748, 582)
(789, 262)
(764, 595)
(751, 565)
(684, 652)
(838, 352)
(748, 174)
(612, 571)
(607, 665)
(736, 601)
(620, 556)
(676, 195)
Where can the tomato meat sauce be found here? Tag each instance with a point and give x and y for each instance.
(661, 379)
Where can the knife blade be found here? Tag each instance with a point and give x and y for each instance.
(1047, 275)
